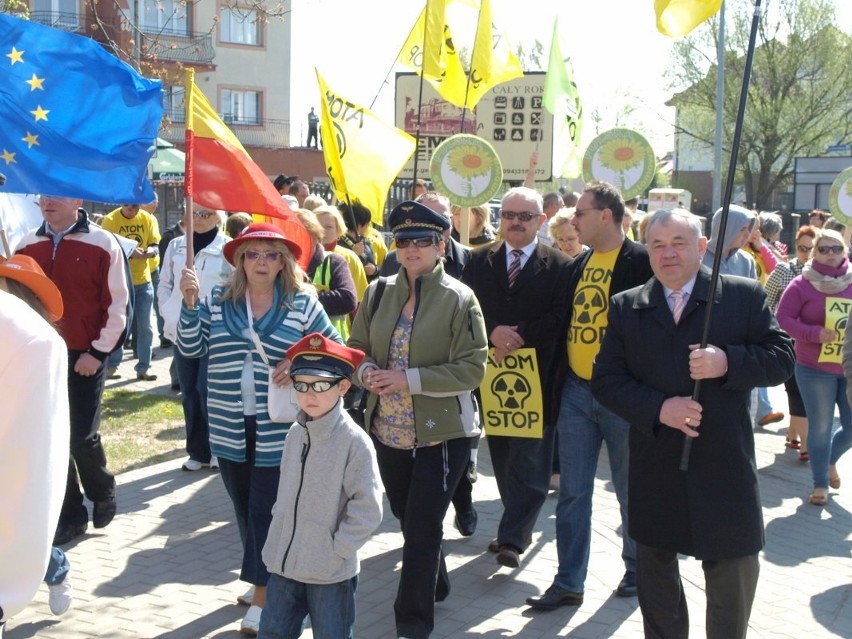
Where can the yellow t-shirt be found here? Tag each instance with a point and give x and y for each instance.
(143, 229)
(589, 315)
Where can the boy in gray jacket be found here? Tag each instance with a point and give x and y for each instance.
(329, 501)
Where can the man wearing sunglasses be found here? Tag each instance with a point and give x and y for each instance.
(521, 286)
(614, 264)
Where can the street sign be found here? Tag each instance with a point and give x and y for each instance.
(510, 117)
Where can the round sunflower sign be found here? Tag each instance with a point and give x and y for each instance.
(840, 197)
(621, 157)
(467, 169)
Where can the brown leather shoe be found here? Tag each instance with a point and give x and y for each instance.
(494, 546)
(509, 557)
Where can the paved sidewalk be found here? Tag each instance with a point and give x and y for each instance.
(167, 566)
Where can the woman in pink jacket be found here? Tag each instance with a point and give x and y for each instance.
(814, 310)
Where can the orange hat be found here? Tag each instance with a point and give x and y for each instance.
(26, 270)
(264, 232)
(317, 355)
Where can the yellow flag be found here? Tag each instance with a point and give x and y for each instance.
(676, 18)
(363, 155)
(493, 61)
(429, 49)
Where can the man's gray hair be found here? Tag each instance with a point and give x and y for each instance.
(531, 195)
(770, 224)
(434, 196)
(663, 216)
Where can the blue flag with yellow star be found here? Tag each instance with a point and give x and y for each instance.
(75, 121)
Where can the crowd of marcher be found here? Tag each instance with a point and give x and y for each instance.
(314, 390)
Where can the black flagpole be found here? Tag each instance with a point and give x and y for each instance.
(726, 203)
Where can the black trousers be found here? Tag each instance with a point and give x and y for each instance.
(420, 484)
(522, 469)
(730, 586)
(88, 459)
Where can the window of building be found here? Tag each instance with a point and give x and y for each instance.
(239, 26)
(64, 14)
(173, 102)
(240, 107)
(168, 16)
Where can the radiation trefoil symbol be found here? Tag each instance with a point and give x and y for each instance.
(511, 390)
(592, 301)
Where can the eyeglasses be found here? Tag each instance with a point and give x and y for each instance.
(524, 216)
(203, 214)
(834, 248)
(419, 242)
(320, 386)
(268, 256)
(803, 249)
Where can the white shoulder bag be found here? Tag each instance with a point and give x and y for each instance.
(281, 405)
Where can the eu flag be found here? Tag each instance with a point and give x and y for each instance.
(75, 121)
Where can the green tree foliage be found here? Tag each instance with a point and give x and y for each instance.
(799, 99)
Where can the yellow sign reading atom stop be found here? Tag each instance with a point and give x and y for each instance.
(511, 396)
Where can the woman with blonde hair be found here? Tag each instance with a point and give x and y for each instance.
(804, 312)
(246, 327)
(565, 236)
(480, 230)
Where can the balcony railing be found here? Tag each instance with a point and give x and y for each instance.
(273, 134)
(61, 20)
(177, 47)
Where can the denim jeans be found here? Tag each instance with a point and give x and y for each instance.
(821, 392)
(192, 373)
(583, 425)
(143, 300)
(288, 604)
(57, 567)
(764, 407)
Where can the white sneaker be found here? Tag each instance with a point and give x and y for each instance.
(192, 465)
(60, 596)
(214, 462)
(247, 597)
(251, 622)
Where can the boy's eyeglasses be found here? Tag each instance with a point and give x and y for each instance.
(834, 248)
(524, 216)
(419, 242)
(320, 386)
(268, 256)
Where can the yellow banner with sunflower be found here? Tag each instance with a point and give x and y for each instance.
(621, 157)
(467, 169)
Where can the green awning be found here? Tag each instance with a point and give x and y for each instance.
(168, 163)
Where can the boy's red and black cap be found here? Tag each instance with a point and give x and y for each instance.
(315, 354)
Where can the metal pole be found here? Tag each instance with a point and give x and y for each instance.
(726, 203)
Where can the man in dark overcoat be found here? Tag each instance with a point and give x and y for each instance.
(645, 372)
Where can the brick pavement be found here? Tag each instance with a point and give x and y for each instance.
(167, 567)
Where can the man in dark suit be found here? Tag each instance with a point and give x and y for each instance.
(613, 265)
(521, 286)
(645, 373)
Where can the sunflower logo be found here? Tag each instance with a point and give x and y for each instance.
(620, 155)
(467, 161)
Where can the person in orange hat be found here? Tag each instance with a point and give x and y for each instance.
(245, 328)
(22, 276)
(329, 500)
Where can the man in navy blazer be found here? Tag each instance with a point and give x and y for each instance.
(645, 372)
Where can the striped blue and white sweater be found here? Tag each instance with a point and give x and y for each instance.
(220, 329)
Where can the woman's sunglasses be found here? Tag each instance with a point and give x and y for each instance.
(420, 242)
(834, 248)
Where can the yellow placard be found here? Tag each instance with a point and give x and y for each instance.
(511, 396)
(836, 316)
